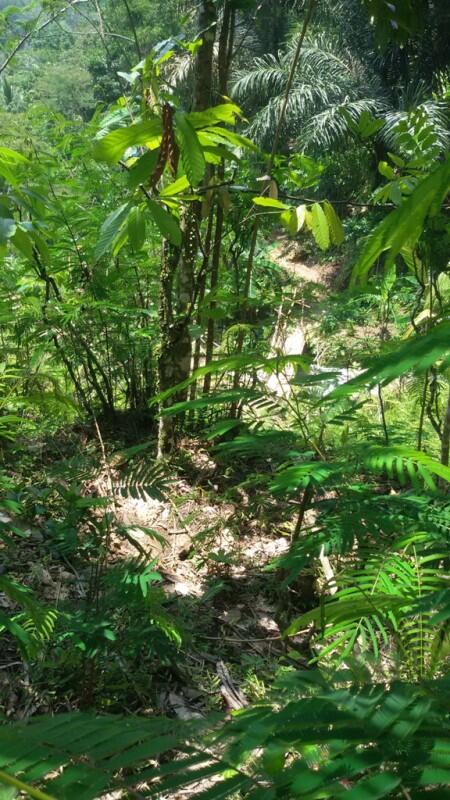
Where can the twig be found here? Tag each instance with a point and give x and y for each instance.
(240, 641)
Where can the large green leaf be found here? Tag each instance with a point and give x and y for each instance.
(111, 147)
(136, 228)
(10, 163)
(142, 168)
(403, 227)
(191, 151)
(319, 226)
(226, 112)
(334, 223)
(22, 240)
(166, 222)
(271, 203)
(110, 230)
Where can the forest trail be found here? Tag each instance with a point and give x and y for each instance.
(309, 278)
(286, 254)
(181, 525)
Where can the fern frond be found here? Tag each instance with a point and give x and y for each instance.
(376, 737)
(32, 626)
(415, 355)
(377, 601)
(141, 478)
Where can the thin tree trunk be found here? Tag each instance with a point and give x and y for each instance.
(445, 440)
(166, 360)
(133, 28)
(225, 55)
(423, 405)
(215, 263)
(204, 66)
(383, 414)
(179, 265)
(201, 297)
(245, 296)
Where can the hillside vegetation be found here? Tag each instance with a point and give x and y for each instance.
(224, 399)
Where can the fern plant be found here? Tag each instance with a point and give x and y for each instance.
(319, 737)
(33, 625)
(374, 609)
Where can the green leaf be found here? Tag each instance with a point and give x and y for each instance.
(111, 147)
(403, 227)
(221, 427)
(224, 135)
(289, 220)
(166, 222)
(270, 202)
(136, 228)
(142, 168)
(178, 186)
(386, 170)
(368, 125)
(334, 223)
(226, 112)
(22, 240)
(10, 163)
(319, 226)
(111, 229)
(191, 151)
(274, 757)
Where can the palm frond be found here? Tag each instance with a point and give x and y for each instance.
(327, 77)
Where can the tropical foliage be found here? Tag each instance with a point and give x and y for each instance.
(224, 399)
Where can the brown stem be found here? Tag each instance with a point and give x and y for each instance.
(445, 440)
(423, 405)
(383, 414)
(245, 295)
(215, 263)
(305, 502)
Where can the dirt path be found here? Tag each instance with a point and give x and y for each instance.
(286, 255)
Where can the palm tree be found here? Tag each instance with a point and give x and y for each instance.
(340, 69)
(328, 78)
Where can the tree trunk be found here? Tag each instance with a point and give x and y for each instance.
(215, 263)
(178, 271)
(204, 66)
(445, 439)
(225, 54)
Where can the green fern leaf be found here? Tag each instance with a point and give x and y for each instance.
(416, 355)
